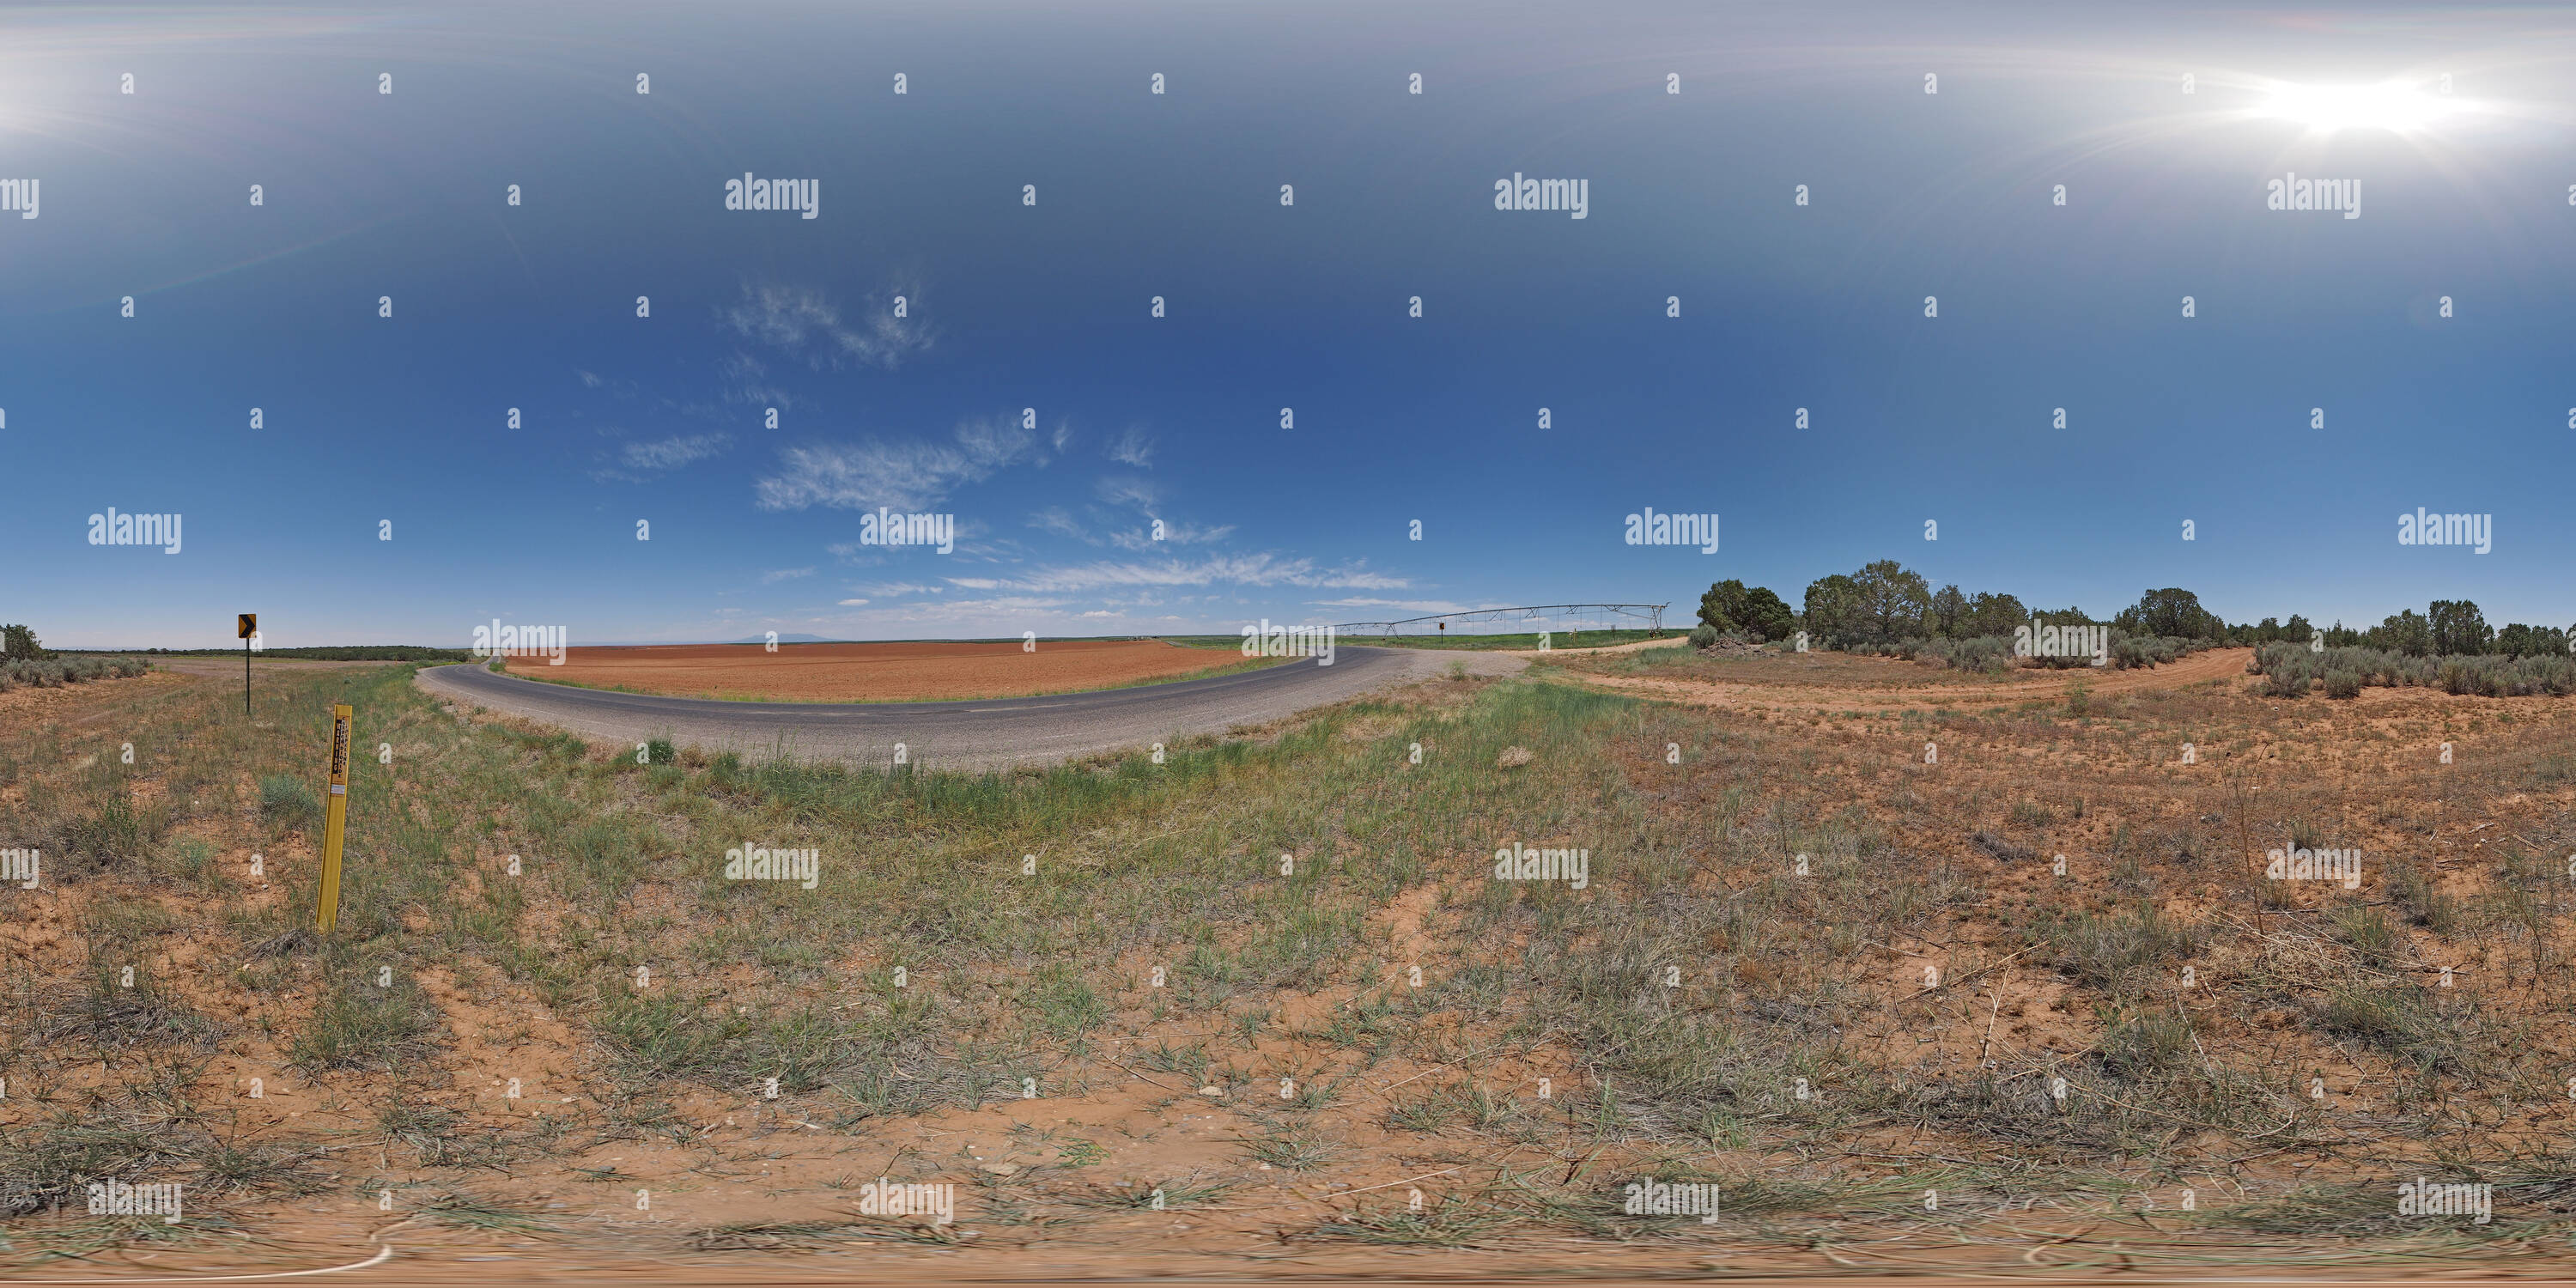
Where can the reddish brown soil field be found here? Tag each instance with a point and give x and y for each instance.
(898, 671)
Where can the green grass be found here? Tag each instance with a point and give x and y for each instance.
(361, 1024)
(1015, 977)
(287, 803)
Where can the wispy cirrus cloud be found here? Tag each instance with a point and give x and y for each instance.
(1257, 570)
(1122, 531)
(1127, 490)
(639, 461)
(1055, 520)
(784, 574)
(899, 475)
(1425, 606)
(1175, 533)
(1132, 448)
(802, 323)
(748, 382)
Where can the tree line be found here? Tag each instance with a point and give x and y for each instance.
(1885, 603)
(19, 644)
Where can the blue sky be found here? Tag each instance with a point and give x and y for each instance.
(1046, 307)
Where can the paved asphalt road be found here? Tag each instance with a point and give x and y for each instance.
(960, 735)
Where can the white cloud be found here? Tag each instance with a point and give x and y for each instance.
(1131, 448)
(784, 574)
(800, 322)
(901, 476)
(852, 603)
(1423, 606)
(1175, 533)
(1054, 519)
(1136, 493)
(750, 383)
(1238, 570)
(1002, 614)
(675, 451)
(639, 461)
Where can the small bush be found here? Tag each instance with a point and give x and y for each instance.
(2412, 890)
(2480, 675)
(2287, 678)
(2144, 1047)
(2369, 933)
(2343, 684)
(190, 858)
(1703, 635)
(2399, 1019)
(113, 832)
(54, 673)
(2111, 952)
(1983, 654)
(286, 802)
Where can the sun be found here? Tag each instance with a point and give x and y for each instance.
(2395, 106)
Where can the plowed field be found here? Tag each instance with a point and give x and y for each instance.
(901, 671)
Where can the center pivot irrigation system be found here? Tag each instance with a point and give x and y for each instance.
(1569, 620)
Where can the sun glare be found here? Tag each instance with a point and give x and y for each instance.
(2395, 106)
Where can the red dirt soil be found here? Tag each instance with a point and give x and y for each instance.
(894, 671)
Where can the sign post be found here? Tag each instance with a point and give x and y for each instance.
(249, 626)
(335, 820)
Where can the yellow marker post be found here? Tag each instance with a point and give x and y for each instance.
(335, 819)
